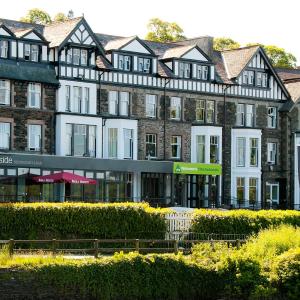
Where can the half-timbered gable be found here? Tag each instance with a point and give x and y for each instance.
(7, 43)
(129, 54)
(251, 69)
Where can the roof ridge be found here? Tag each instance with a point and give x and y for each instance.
(241, 48)
(55, 23)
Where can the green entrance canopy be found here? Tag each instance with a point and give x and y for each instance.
(197, 169)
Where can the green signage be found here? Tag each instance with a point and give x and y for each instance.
(197, 169)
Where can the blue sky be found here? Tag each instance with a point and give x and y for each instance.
(264, 21)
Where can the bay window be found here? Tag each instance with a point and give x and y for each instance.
(5, 134)
(151, 105)
(128, 143)
(175, 108)
(214, 149)
(253, 152)
(200, 148)
(34, 95)
(34, 137)
(176, 146)
(241, 149)
(81, 140)
(4, 92)
(77, 56)
(112, 142)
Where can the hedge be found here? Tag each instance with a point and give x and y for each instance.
(45, 220)
(241, 221)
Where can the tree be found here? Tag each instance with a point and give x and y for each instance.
(223, 43)
(161, 31)
(60, 17)
(37, 16)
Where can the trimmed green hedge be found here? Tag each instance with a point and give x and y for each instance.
(45, 220)
(241, 221)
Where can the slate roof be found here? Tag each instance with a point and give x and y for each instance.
(18, 25)
(102, 63)
(27, 71)
(288, 74)
(116, 44)
(21, 32)
(236, 60)
(57, 32)
(177, 51)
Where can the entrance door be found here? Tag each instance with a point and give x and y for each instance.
(272, 195)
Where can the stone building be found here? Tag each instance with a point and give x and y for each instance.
(145, 119)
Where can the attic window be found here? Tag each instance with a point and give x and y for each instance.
(261, 79)
(248, 77)
(202, 72)
(144, 65)
(3, 49)
(184, 70)
(124, 62)
(31, 52)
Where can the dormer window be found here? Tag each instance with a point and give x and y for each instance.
(3, 49)
(124, 62)
(261, 79)
(202, 72)
(184, 70)
(31, 52)
(77, 56)
(144, 65)
(248, 77)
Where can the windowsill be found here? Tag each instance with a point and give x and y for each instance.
(31, 107)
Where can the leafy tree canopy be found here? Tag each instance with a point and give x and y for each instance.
(37, 16)
(60, 17)
(161, 31)
(224, 43)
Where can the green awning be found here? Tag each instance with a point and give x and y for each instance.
(27, 71)
(197, 169)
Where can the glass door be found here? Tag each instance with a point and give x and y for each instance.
(272, 195)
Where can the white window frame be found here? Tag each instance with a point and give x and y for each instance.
(34, 95)
(210, 107)
(242, 151)
(200, 110)
(241, 183)
(151, 105)
(272, 117)
(5, 135)
(214, 142)
(151, 139)
(87, 100)
(185, 70)
(68, 98)
(240, 114)
(252, 186)
(270, 186)
(113, 102)
(76, 56)
(124, 100)
(4, 92)
(77, 99)
(34, 133)
(175, 108)
(124, 62)
(4, 49)
(249, 115)
(84, 57)
(176, 142)
(272, 153)
(144, 64)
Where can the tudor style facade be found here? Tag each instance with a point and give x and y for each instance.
(145, 119)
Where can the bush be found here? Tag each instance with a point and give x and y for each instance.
(241, 221)
(45, 220)
(286, 275)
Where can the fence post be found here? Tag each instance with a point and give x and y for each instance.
(11, 244)
(96, 248)
(54, 247)
(238, 244)
(212, 244)
(176, 246)
(137, 245)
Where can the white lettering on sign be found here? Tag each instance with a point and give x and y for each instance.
(6, 160)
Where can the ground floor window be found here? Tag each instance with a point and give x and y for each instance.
(240, 189)
(272, 194)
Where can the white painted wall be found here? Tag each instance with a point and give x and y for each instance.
(32, 36)
(247, 171)
(62, 120)
(194, 54)
(61, 100)
(207, 131)
(136, 46)
(120, 124)
(4, 32)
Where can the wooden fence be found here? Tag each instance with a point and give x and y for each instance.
(97, 246)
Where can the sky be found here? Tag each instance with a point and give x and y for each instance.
(270, 22)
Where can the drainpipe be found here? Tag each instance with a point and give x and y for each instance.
(167, 81)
